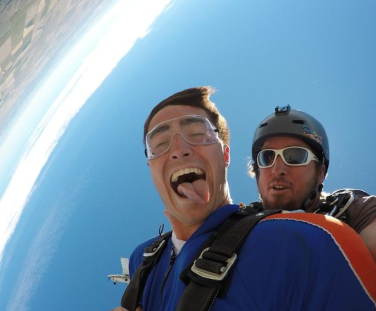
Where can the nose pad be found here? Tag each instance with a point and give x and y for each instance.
(279, 167)
(179, 147)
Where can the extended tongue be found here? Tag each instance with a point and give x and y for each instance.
(197, 192)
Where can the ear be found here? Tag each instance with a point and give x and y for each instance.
(226, 155)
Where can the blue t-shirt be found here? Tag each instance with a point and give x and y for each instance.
(286, 263)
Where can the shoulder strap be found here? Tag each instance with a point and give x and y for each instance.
(337, 203)
(209, 275)
(133, 293)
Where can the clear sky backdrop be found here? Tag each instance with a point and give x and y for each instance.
(94, 201)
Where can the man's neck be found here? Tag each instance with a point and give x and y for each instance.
(183, 231)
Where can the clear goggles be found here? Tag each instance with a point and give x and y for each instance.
(292, 156)
(194, 129)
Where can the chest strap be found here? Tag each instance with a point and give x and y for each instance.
(209, 276)
(133, 293)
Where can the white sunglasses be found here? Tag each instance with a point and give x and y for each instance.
(292, 156)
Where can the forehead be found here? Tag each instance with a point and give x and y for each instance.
(175, 111)
(280, 142)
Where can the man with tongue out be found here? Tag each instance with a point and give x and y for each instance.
(189, 171)
(284, 264)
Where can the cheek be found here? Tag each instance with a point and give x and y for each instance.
(262, 180)
(305, 179)
(156, 175)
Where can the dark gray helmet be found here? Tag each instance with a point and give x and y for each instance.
(292, 123)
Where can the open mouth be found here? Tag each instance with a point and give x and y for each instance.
(279, 188)
(187, 175)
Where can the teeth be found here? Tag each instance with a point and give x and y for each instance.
(278, 187)
(175, 176)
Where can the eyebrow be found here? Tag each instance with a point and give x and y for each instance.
(188, 121)
(183, 122)
(160, 129)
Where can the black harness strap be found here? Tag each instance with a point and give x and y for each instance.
(133, 293)
(338, 202)
(210, 275)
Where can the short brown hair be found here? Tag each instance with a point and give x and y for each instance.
(196, 97)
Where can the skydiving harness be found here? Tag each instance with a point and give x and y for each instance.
(337, 203)
(208, 276)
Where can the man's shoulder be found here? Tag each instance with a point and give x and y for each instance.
(356, 207)
(313, 222)
(309, 218)
(313, 229)
(329, 230)
(356, 192)
(352, 195)
(138, 254)
(140, 249)
(320, 236)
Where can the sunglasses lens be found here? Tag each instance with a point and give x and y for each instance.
(295, 156)
(266, 158)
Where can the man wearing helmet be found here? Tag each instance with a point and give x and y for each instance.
(290, 155)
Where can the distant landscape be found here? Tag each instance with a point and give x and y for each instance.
(33, 34)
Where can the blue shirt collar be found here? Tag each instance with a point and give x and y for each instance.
(216, 219)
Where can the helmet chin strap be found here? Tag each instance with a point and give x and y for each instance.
(311, 197)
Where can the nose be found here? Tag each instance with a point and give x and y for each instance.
(179, 147)
(279, 168)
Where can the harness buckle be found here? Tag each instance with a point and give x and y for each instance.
(211, 275)
(346, 206)
(154, 250)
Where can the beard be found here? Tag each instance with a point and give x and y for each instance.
(291, 204)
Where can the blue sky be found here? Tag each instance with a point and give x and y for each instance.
(94, 201)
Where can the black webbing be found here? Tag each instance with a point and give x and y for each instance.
(197, 297)
(250, 209)
(133, 293)
(201, 292)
